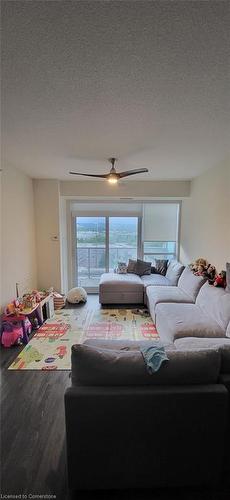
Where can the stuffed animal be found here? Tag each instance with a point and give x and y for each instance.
(220, 279)
(76, 295)
(211, 274)
(201, 269)
(199, 265)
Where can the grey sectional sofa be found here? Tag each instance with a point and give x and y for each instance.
(180, 303)
(128, 429)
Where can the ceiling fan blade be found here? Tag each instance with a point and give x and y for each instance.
(132, 172)
(102, 176)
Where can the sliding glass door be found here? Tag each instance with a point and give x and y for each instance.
(90, 250)
(123, 240)
(100, 243)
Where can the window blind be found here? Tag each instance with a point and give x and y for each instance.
(160, 221)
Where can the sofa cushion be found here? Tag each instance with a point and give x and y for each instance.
(143, 268)
(223, 344)
(165, 294)
(185, 320)
(122, 268)
(94, 366)
(128, 282)
(155, 280)
(174, 271)
(161, 266)
(132, 264)
(215, 302)
(190, 284)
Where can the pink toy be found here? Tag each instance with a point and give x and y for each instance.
(12, 334)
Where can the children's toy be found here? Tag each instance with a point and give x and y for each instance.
(37, 296)
(201, 267)
(211, 274)
(29, 301)
(12, 334)
(76, 295)
(27, 326)
(220, 279)
(59, 300)
(10, 308)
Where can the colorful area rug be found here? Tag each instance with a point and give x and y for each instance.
(50, 347)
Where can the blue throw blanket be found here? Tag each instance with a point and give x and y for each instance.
(154, 354)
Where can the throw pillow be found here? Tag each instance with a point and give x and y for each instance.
(122, 268)
(143, 268)
(132, 266)
(161, 266)
(227, 289)
(153, 270)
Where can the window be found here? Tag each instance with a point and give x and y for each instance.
(100, 243)
(123, 240)
(103, 234)
(159, 250)
(160, 231)
(90, 250)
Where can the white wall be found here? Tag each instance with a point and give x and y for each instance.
(47, 220)
(1, 241)
(136, 189)
(18, 249)
(205, 224)
(50, 217)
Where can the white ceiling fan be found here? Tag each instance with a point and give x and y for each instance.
(113, 176)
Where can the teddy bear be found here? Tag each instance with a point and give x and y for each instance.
(220, 279)
(199, 266)
(211, 274)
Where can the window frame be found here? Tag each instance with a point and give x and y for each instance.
(107, 216)
(70, 266)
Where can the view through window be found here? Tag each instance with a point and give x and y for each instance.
(159, 250)
(102, 242)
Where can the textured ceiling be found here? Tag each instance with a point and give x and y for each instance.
(146, 81)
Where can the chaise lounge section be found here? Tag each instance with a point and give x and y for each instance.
(131, 289)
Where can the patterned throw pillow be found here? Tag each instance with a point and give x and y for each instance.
(161, 266)
(143, 267)
(122, 268)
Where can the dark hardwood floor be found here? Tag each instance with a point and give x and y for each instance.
(33, 458)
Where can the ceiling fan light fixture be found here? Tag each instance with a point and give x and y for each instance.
(113, 176)
(113, 179)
